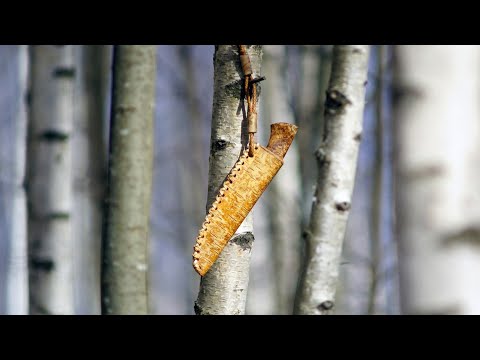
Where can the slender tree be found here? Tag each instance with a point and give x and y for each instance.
(315, 67)
(89, 172)
(283, 194)
(377, 186)
(437, 151)
(49, 177)
(337, 161)
(127, 217)
(223, 290)
(13, 217)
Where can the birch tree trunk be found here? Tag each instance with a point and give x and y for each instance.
(284, 192)
(89, 173)
(16, 289)
(127, 217)
(223, 290)
(49, 179)
(337, 161)
(437, 195)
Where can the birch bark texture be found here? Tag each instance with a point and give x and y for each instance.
(337, 162)
(437, 131)
(49, 176)
(223, 290)
(129, 188)
(89, 172)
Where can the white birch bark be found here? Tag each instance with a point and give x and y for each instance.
(337, 161)
(17, 267)
(437, 192)
(49, 179)
(223, 290)
(284, 192)
(89, 172)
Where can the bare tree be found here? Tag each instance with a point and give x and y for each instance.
(13, 214)
(89, 172)
(283, 194)
(377, 186)
(49, 179)
(127, 217)
(337, 161)
(223, 290)
(315, 66)
(437, 195)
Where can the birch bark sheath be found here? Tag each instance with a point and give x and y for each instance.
(49, 179)
(17, 267)
(89, 173)
(223, 290)
(127, 218)
(337, 161)
(437, 194)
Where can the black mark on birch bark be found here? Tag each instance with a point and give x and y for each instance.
(219, 145)
(342, 206)
(244, 240)
(198, 310)
(469, 235)
(326, 305)
(64, 72)
(402, 92)
(335, 102)
(57, 215)
(53, 135)
(42, 264)
(424, 172)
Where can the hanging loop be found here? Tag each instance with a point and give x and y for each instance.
(250, 90)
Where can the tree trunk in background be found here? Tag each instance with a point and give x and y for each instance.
(127, 210)
(284, 192)
(192, 196)
(337, 161)
(437, 193)
(17, 267)
(315, 67)
(223, 290)
(89, 173)
(377, 186)
(49, 179)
